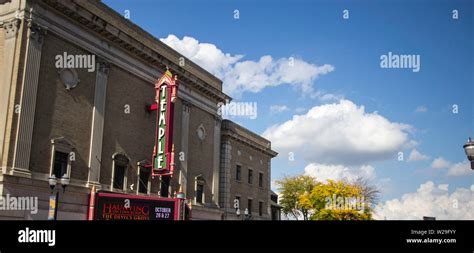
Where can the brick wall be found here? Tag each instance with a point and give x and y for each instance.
(60, 112)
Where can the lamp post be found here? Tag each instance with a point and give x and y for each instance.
(181, 196)
(248, 216)
(469, 149)
(54, 198)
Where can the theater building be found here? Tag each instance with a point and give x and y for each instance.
(76, 84)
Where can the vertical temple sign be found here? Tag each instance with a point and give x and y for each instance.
(161, 156)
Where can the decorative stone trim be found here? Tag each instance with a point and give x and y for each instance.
(11, 28)
(63, 145)
(97, 128)
(97, 17)
(28, 96)
(69, 78)
(201, 132)
(242, 135)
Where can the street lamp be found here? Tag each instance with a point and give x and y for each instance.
(54, 198)
(65, 182)
(469, 149)
(247, 215)
(181, 196)
(52, 182)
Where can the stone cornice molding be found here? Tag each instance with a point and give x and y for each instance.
(242, 135)
(98, 18)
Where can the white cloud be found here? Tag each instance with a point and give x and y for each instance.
(460, 169)
(430, 200)
(339, 133)
(323, 172)
(421, 109)
(440, 163)
(249, 76)
(453, 169)
(205, 55)
(326, 97)
(415, 155)
(278, 108)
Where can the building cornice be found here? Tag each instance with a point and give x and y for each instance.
(100, 19)
(247, 137)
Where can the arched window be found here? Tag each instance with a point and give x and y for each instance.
(120, 166)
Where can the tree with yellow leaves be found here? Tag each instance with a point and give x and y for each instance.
(291, 188)
(332, 200)
(337, 200)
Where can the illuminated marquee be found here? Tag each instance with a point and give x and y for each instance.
(163, 153)
(110, 206)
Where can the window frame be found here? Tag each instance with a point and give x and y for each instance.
(148, 183)
(199, 180)
(250, 176)
(249, 205)
(62, 145)
(125, 173)
(200, 189)
(260, 179)
(238, 172)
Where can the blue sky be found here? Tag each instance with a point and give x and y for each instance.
(316, 33)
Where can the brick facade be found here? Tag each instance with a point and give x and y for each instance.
(106, 115)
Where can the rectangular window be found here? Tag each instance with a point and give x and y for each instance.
(260, 208)
(249, 206)
(238, 172)
(250, 179)
(260, 179)
(119, 176)
(60, 164)
(144, 177)
(199, 193)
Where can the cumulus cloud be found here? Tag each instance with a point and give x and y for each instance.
(339, 133)
(440, 163)
(453, 169)
(415, 155)
(205, 55)
(278, 108)
(241, 76)
(429, 200)
(323, 172)
(460, 169)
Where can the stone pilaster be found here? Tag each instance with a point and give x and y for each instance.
(269, 187)
(183, 173)
(216, 162)
(10, 29)
(224, 174)
(26, 116)
(97, 128)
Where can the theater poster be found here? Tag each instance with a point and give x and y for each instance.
(111, 206)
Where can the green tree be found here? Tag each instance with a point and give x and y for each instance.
(340, 200)
(291, 188)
